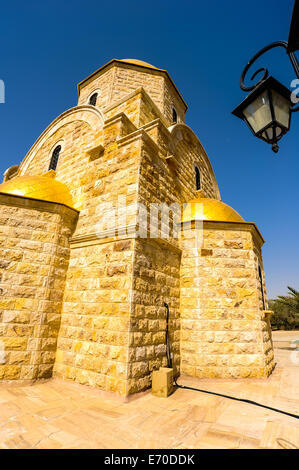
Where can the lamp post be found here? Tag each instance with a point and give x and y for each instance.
(267, 109)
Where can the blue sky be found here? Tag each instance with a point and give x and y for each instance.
(48, 47)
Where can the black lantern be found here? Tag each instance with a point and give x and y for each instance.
(267, 111)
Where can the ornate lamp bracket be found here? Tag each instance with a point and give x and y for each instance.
(291, 56)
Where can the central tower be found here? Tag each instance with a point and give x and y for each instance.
(118, 78)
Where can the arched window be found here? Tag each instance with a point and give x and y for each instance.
(93, 99)
(197, 179)
(261, 287)
(55, 157)
(174, 115)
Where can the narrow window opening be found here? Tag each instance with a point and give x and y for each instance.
(261, 287)
(54, 158)
(197, 179)
(174, 115)
(93, 99)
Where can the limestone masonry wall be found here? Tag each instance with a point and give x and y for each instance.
(104, 84)
(118, 80)
(137, 108)
(74, 166)
(224, 332)
(34, 260)
(94, 334)
(156, 270)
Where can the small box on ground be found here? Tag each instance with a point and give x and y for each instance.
(162, 382)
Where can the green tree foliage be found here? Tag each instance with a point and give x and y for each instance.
(286, 311)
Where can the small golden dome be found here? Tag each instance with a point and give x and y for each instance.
(44, 187)
(139, 62)
(210, 209)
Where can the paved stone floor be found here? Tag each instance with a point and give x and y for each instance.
(58, 414)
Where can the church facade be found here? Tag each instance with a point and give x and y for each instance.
(115, 211)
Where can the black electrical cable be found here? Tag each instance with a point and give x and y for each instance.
(244, 400)
(168, 351)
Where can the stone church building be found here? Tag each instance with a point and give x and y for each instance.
(84, 302)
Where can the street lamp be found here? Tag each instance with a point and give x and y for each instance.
(267, 109)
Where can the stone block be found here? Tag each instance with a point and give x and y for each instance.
(162, 382)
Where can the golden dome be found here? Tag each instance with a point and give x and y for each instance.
(138, 62)
(210, 209)
(44, 187)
